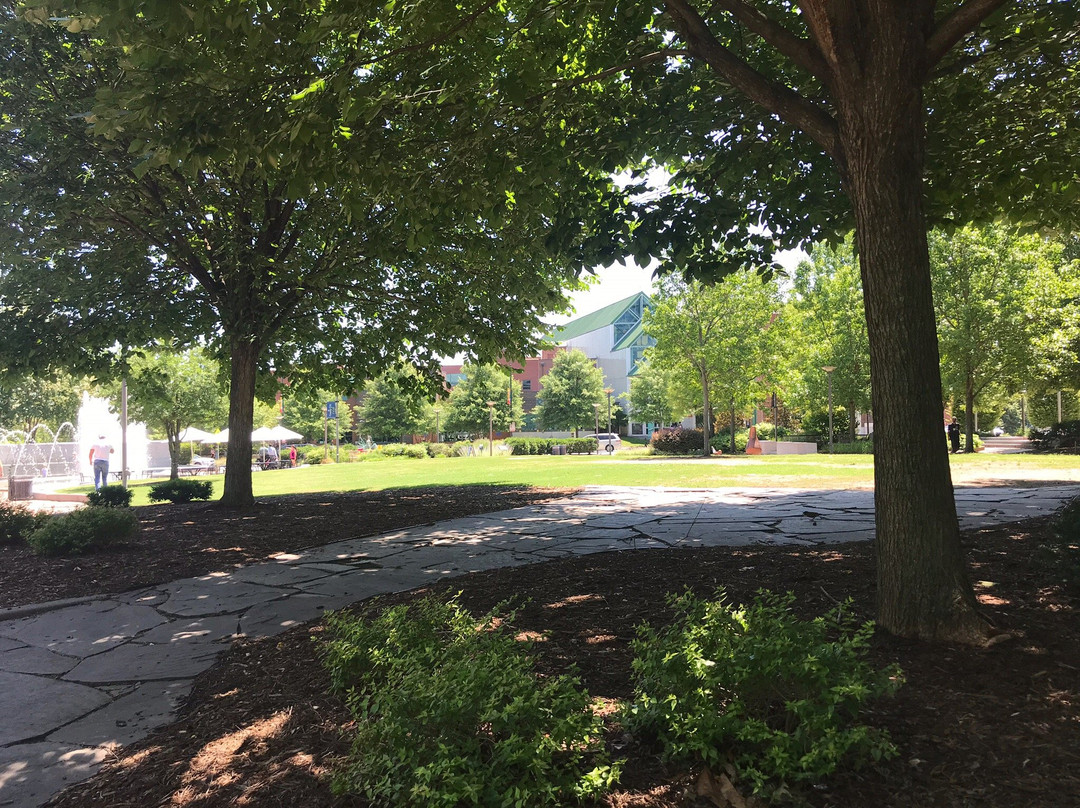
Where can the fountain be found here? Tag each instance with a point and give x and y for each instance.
(96, 418)
(56, 459)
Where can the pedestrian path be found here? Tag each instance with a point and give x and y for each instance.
(77, 679)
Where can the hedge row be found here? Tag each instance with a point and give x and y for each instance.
(543, 446)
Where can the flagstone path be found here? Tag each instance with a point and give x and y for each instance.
(79, 677)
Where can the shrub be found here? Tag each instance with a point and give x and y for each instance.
(775, 696)
(678, 441)
(17, 522)
(1061, 552)
(449, 711)
(1063, 435)
(464, 448)
(722, 441)
(180, 490)
(858, 447)
(543, 446)
(83, 531)
(439, 450)
(110, 496)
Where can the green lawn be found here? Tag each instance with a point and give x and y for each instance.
(803, 471)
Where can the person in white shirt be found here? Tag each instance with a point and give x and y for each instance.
(99, 459)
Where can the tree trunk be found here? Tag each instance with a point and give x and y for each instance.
(733, 426)
(969, 420)
(923, 588)
(245, 355)
(851, 434)
(172, 436)
(705, 412)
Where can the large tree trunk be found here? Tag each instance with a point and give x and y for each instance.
(245, 355)
(923, 587)
(706, 415)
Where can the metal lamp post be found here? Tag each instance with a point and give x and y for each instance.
(610, 445)
(596, 429)
(1023, 412)
(437, 438)
(828, 373)
(491, 428)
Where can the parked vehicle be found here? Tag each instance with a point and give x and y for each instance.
(606, 439)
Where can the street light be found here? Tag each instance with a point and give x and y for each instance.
(437, 440)
(828, 373)
(610, 445)
(491, 428)
(596, 430)
(1023, 414)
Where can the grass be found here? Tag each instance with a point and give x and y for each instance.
(629, 468)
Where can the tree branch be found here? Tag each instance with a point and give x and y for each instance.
(965, 19)
(802, 52)
(774, 97)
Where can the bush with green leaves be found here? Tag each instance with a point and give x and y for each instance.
(83, 531)
(1061, 553)
(722, 441)
(17, 522)
(775, 696)
(677, 441)
(449, 712)
(181, 490)
(543, 446)
(1063, 435)
(110, 496)
(858, 447)
(439, 450)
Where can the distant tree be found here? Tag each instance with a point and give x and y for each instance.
(650, 394)
(48, 400)
(172, 390)
(466, 409)
(829, 329)
(722, 337)
(988, 309)
(571, 388)
(392, 407)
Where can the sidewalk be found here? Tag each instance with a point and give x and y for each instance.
(79, 677)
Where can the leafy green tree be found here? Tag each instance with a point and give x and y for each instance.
(650, 395)
(570, 390)
(721, 336)
(293, 207)
(466, 409)
(983, 280)
(171, 390)
(391, 408)
(30, 401)
(830, 329)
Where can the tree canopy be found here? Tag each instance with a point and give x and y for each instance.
(572, 390)
(467, 408)
(235, 213)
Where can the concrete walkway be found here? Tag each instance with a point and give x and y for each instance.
(78, 678)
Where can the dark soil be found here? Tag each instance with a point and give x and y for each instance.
(183, 541)
(995, 726)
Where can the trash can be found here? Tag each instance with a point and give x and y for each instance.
(558, 450)
(20, 489)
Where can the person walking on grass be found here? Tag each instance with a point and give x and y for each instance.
(954, 436)
(99, 459)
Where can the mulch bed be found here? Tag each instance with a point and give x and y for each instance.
(975, 727)
(183, 541)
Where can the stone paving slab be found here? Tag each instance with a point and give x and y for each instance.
(28, 659)
(86, 629)
(32, 706)
(129, 718)
(30, 774)
(142, 650)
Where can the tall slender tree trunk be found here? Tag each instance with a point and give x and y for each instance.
(733, 426)
(851, 420)
(923, 587)
(969, 407)
(245, 356)
(706, 413)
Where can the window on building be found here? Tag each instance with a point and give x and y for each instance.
(637, 351)
(526, 384)
(629, 319)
